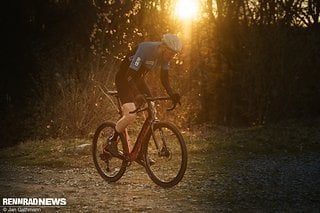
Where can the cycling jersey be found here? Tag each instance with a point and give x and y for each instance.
(147, 55)
(130, 78)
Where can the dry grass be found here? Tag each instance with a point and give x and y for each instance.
(283, 138)
(49, 153)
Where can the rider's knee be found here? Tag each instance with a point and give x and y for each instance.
(127, 117)
(128, 108)
(130, 117)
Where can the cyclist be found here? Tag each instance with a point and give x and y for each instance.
(130, 81)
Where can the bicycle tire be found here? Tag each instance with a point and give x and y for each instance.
(119, 165)
(170, 165)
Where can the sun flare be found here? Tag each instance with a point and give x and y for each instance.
(187, 10)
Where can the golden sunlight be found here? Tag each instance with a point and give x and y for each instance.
(187, 10)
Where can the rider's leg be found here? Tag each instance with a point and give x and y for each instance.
(126, 119)
(126, 95)
(130, 146)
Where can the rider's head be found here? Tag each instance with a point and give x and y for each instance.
(172, 45)
(172, 42)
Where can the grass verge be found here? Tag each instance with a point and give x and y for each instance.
(289, 137)
(49, 153)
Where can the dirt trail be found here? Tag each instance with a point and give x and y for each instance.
(220, 183)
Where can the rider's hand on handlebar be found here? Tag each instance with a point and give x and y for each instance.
(175, 97)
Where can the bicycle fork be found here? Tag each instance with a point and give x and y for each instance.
(163, 152)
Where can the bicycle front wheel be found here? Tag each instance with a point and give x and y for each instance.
(109, 167)
(166, 155)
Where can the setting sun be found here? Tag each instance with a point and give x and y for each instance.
(187, 9)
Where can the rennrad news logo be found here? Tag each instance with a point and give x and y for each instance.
(34, 202)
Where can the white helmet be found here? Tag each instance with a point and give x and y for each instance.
(172, 42)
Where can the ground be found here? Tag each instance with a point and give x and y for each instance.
(225, 178)
(255, 183)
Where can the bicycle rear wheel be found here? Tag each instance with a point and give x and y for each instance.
(168, 149)
(109, 167)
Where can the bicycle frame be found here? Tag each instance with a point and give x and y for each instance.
(143, 136)
(147, 128)
(145, 132)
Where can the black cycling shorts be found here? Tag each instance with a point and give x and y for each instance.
(125, 92)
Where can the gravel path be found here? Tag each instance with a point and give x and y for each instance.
(226, 182)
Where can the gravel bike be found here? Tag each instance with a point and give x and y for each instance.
(159, 147)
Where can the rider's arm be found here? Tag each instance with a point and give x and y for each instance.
(164, 76)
